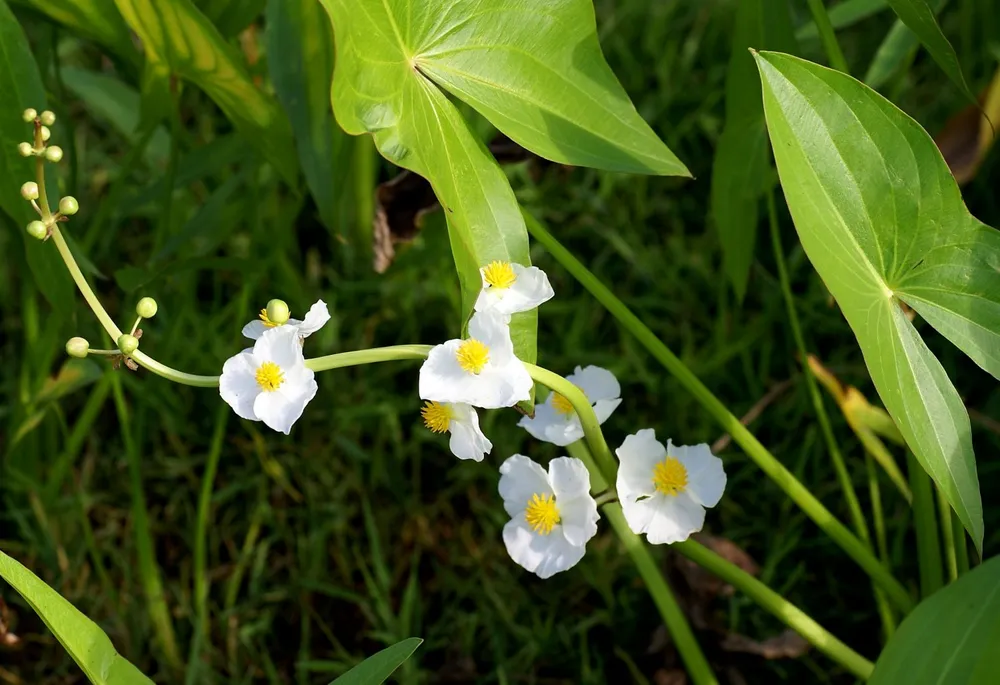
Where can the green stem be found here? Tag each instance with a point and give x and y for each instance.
(729, 423)
(961, 548)
(378, 354)
(875, 495)
(947, 536)
(827, 36)
(925, 521)
(784, 610)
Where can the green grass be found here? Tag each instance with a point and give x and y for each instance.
(361, 529)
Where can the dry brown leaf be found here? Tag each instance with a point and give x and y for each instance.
(672, 676)
(400, 205)
(968, 136)
(787, 645)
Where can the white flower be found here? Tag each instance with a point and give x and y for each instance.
(511, 288)
(481, 371)
(552, 514)
(269, 382)
(462, 421)
(316, 318)
(664, 491)
(555, 420)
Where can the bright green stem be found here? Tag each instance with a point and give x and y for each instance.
(751, 446)
(201, 529)
(853, 505)
(787, 612)
(379, 354)
(827, 36)
(925, 520)
(948, 536)
(961, 547)
(677, 625)
(149, 571)
(875, 495)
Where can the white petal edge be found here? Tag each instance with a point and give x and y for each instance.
(520, 478)
(597, 383)
(543, 555)
(238, 385)
(254, 329)
(663, 518)
(638, 455)
(467, 440)
(569, 478)
(315, 319)
(706, 475)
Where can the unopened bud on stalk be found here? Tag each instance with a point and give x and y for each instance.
(127, 344)
(29, 115)
(47, 118)
(36, 229)
(29, 191)
(46, 133)
(53, 153)
(77, 347)
(25, 149)
(69, 206)
(146, 308)
(277, 311)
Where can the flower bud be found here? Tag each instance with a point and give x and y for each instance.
(46, 133)
(36, 229)
(29, 115)
(47, 117)
(127, 344)
(77, 347)
(53, 153)
(25, 149)
(277, 312)
(69, 206)
(146, 308)
(29, 191)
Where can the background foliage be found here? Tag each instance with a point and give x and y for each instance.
(361, 529)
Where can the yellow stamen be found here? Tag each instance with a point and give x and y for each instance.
(561, 404)
(541, 513)
(472, 355)
(267, 321)
(670, 477)
(269, 376)
(437, 416)
(499, 274)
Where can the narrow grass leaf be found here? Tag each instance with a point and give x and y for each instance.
(882, 220)
(376, 668)
(843, 15)
(918, 15)
(89, 646)
(95, 19)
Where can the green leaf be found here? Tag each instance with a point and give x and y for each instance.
(232, 16)
(96, 19)
(843, 15)
(300, 58)
(740, 172)
(882, 220)
(536, 71)
(377, 91)
(89, 646)
(21, 86)
(918, 15)
(952, 637)
(175, 33)
(895, 50)
(376, 668)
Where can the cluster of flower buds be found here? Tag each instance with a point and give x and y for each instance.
(127, 343)
(68, 206)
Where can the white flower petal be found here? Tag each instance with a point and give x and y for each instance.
(281, 346)
(530, 288)
(315, 319)
(441, 375)
(467, 440)
(544, 555)
(569, 478)
(605, 408)
(705, 473)
(578, 518)
(238, 384)
(674, 519)
(596, 383)
(520, 478)
(493, 330)
(638, 456)
(255, 329)
(551, 425)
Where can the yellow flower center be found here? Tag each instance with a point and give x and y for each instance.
(269, 376)
(437, 416)
(670, 477)
(561, 404)
(267, 321)
(541, 513)
(472, 355)
(499, 274)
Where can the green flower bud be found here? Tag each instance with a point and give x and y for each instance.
(127, 344)
(277, 312)
(46, 133)
(29, 115)
(36, 229)
(69, 206)
(47, 118)
(29, 191)
(146, 308)
(53, 153)
(25, 149)
(77, 347)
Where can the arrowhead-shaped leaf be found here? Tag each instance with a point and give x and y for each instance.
(882, 220)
